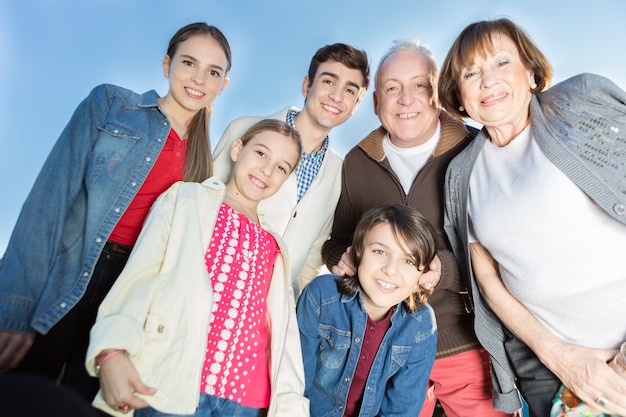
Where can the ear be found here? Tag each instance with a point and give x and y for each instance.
(166, 66)
(375, 97)
(226, 81)
(235, 149)
(306, 86)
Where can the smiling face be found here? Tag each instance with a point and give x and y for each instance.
(495, 90)
(333, 95)
(261, 166)
(403, 100)
(387, 272)
(197, 74)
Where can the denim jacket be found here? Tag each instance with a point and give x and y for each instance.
(332, 326)
(92, 173)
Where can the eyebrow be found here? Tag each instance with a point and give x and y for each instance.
(376, 242)
(194, 59)
(336, 77)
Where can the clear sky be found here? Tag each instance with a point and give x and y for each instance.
(54, 51)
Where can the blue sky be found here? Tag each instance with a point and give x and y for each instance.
(55, 51)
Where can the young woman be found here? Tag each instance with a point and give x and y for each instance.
(119, 151)
(369, 340)
(203, 311)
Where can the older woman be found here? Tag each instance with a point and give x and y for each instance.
(537, 206)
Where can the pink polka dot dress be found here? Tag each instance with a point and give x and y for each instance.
(240, 261)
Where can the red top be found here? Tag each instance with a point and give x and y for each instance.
(167, 170)
(240, 261)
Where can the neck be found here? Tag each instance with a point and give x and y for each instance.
(312, 134)
(239, 203)
(503, 135)
(179, 120)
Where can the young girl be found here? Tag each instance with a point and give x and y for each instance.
(203, 311)
(369, 341)
(119, 151)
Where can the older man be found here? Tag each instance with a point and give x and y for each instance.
(404, 161)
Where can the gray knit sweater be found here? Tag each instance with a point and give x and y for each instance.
(580, 125)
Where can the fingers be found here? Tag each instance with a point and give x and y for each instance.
(13, 348)
(120, 384)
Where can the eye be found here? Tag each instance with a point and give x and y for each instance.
(261, 154)
(378, 251)
(351, 91)
(215, 73)
(468, 74)
(391, 90)
(283, 169)
(327, 81)
(502, 62)
(410, 262)
(188, 63)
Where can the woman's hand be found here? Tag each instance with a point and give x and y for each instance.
(120, 382)
(588, 375)
(584, 371)
(13, 348)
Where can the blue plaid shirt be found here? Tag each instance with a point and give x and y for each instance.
(310, 164)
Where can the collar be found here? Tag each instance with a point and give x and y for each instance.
(453, 131)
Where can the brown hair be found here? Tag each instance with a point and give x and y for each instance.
(476, 38)
(277, 126)
(199, 161)
(344, 54)
(409, 227)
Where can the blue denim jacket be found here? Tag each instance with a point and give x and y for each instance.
(92, 173)
(331, 330)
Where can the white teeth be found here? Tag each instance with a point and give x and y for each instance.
(407, 115)
(494, 98)
(194, 92)
(385, 284)
(258, 182)
(331, 109)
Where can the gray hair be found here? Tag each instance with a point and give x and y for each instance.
(411, 45)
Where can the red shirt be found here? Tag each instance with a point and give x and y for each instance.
(167, 170)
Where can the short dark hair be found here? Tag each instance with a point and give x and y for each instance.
(476, 38)
(410, 227)
(344, 54)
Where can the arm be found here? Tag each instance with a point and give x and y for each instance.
(122, 314)
(344, 223)
(583, 370)
(37, 237)
(313, 262)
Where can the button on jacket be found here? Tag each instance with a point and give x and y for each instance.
(92, 173)
(331, 332)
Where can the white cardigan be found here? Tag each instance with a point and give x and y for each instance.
(158, 309)
(304, 225)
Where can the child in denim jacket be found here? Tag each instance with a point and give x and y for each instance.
(369, 341)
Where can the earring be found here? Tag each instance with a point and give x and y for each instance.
(533, 86)
(461, 109)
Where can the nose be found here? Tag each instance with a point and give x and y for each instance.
(488, 79)
(390, 268)
(266, 169)
(405, 97)
(335, 93)
(199, 77)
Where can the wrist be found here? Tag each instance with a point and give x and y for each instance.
(104, 356)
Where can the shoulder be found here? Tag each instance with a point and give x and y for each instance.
(424, 319)
(322, 285)
(112, 92)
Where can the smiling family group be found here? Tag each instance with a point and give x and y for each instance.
(480, 269)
